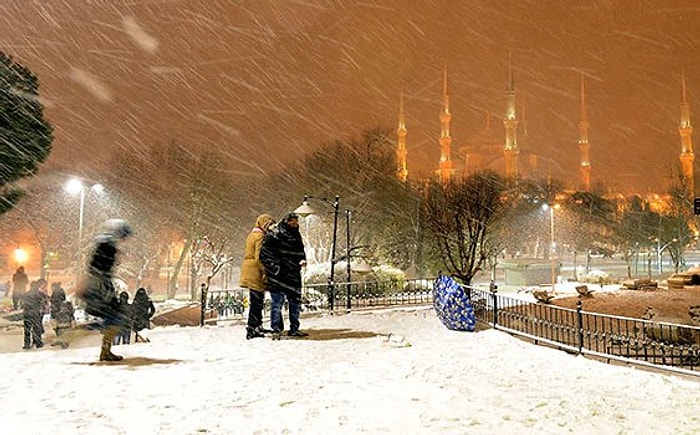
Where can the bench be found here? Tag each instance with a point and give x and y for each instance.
(543, 296)
(583, 291)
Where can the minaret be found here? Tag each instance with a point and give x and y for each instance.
(510, 122)
(583, 145)
(401, 151)
(523, 124)
(445, 165)
(685, 129)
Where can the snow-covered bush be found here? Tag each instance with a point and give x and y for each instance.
(597, 276)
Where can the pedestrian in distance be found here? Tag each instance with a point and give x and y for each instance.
(97, 289)
(64, 324)
(65, 318)
(253, 277)
(283, 256)
(124, 334)
(58, 296)
(19, 287)
(142, 309)
(34, 306)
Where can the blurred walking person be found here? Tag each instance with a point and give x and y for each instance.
(283, 256)
(98, 289)
(253, 276)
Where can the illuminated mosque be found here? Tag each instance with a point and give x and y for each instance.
(500, 150)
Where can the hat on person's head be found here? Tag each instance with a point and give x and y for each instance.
(117, 228)
(264, 221)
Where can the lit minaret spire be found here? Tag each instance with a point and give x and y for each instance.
(445, 165)
(510, 122)
(583, 145)
(523, 124)
(685, 129)
(401, 151)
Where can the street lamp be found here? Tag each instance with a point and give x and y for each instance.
(552, 243)
(75, 186)
(361, 267)
(20, 256)
(304, 210)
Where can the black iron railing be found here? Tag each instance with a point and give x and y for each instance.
(658, 344)
(353, 295)
(227, 303)
(644, 342)
(367, 294)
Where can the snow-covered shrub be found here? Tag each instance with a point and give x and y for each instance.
(597, 276)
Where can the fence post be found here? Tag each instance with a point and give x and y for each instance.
(203, 307)
(495, 309)
(579, 324)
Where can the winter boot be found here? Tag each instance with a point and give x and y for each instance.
(106, 350)
(253, 333)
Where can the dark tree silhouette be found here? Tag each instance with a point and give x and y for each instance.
(25, 136)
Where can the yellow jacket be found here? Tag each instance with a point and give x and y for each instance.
(252, 270)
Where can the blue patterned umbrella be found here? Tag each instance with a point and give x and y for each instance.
(452, 305)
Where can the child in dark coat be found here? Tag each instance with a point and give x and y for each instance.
(142, 309)
(124, 335)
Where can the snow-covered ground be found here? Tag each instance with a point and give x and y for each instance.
(349, 376)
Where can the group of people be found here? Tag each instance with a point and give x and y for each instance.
(137, 316)
(36, 303)
(273, 259)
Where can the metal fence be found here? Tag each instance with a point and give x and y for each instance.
(662, 345)
(644, 342)
(341, 296)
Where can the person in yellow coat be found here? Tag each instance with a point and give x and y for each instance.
(253, 275)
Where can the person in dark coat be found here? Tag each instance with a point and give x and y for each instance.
(19, 287)
(98, 289)
(58, 295)
(283, 256)
(142, 309)
(65, 318)
(34, 305)
(124, 334)
(253, 275)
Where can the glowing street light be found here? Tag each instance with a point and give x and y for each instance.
(20, 256)
(305, 210)
(74, 186)
(552, 243)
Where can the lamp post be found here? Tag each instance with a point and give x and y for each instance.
(552, 243)
(348, 249)
(304, 210)
(75, 186)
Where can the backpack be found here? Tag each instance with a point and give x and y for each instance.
(453, 305)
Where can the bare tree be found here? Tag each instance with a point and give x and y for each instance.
(461, 215)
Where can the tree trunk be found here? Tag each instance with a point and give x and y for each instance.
(172, 285)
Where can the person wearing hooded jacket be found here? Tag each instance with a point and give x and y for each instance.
(142, 309)
(282, 254)
(253, 275)
(98, 291)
